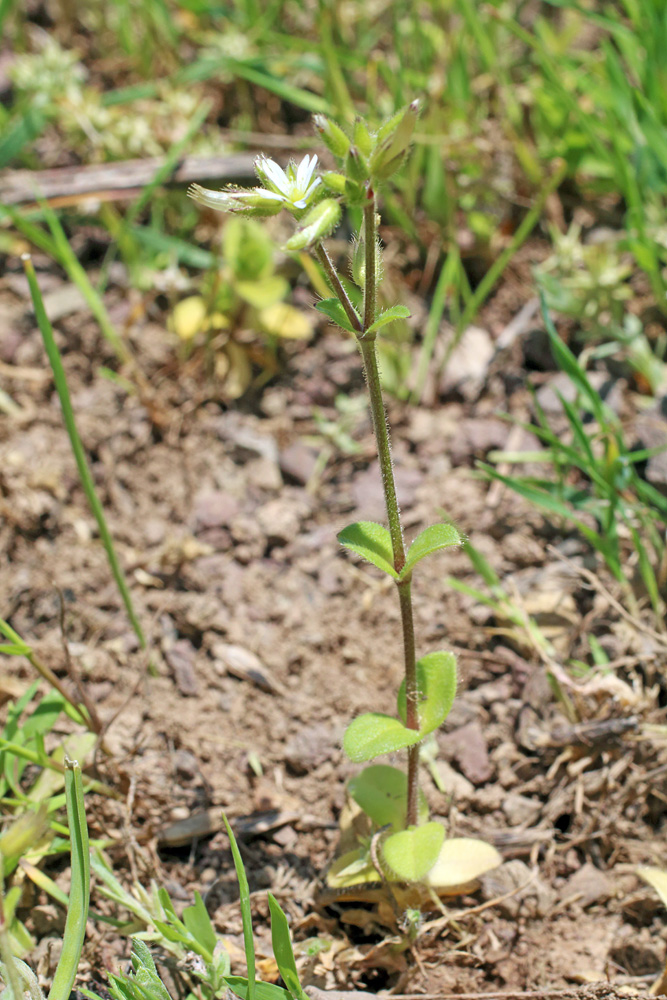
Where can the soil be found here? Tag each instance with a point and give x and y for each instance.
(265, 640)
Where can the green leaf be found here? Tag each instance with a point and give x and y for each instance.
(461, 861)
(437, 536)
(317, 224)
(334, 310)
(265, 991)
(372, 734)
(436, 682)
(352, 868)
(373, 542)
(77, 911)
(246, 916)
(388, 316)
(282, 950)
(382, 792)
(198, 922)
(410, 854)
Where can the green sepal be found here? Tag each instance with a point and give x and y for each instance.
(374, 733)
(395, 138)
(373, 542)
(334, 181)
(361, 137)
(436, 684)
(382, 792)
(331, 135)
(356, 165)
(410, 854)
(388, 316)
(333, 308)
(431, 539)
(316, 225)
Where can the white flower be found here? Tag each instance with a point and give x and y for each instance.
(292, 189)
(295, 186)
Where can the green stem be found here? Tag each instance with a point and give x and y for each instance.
(337, 286)
(370, 279)
(381, 428)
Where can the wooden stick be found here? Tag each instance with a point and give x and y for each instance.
(108, 181)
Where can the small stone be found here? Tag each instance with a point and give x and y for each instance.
(309, 748)
(468, 364)
(181, 658)
(454, 784)
(215, 509)
(521, 810)
(280, 520)
(590, 884)
(187, 765)
(297, 463)
(468, 747)
(244, 664)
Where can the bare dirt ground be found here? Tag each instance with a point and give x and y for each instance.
(267, 640)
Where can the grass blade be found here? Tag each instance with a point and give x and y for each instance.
(77, 911)
(77, 447)
(246, 916)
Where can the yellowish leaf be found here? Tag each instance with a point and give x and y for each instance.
(188, 317)
(461, 861)
(240, 371)
(657, 879)
(285, 321)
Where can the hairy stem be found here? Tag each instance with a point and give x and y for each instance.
(370, 279)
(381, 428)
(337, 286)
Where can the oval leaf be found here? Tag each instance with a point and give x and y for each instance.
(382, 793)
(436, 680)
(372, 734)
(461, 861)
(437, 536)
(317, 224)
(388, 316)
(285, 321)
(353, 868)
(657, 879)
(334, 310)
(373, 542)
(263, 292)
(410, 854)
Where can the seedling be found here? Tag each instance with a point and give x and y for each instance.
(406, 846)
(245, 294)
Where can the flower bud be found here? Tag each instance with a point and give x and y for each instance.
(334, 181)
(316, 225)
(394, 141)
(255, 201)
(362, 137)
(356, 166)
(332, 135)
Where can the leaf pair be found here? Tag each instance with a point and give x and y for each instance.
(334, 310)
(372, 541)
(374, 733)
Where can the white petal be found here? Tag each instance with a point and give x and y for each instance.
(271, 195)
(313, 186)
(276, 175)
(305, 171)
